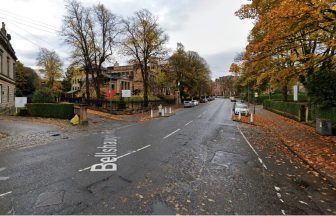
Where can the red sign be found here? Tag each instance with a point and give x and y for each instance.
(109, 94)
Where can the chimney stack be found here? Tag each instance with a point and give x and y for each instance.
(3, 28)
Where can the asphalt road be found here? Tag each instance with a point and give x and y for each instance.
(195, 162)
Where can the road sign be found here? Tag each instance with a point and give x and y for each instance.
(20, 102)
(126, 93)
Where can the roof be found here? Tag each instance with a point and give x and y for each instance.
(5, 42)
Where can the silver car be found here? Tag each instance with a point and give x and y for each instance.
(188, 104)
(195, 102)
(242, 109)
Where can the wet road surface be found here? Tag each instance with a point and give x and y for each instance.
(195, 162)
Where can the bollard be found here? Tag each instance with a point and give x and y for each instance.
(251, 118)
(170, 111)
(152, 115)
(165, 109)
(239, 116)
(162, 112)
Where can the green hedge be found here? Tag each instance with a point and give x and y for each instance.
(289, 109)
(51, 110)
(323, 113)
(278, 97)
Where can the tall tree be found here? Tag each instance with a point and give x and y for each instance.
(191, 72)
(51, 65)
(92, 33)
(290, 40)
(26, 79)
(144, 41)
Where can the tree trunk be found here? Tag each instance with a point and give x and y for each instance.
(87, 86)
(285, 93)
(145, 84)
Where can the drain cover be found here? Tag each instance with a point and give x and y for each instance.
(49, 198)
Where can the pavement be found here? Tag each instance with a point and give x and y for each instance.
(195, 162)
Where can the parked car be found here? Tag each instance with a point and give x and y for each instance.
(195, 102)
(203, 100)
(187, 104)
(241, 108)
(232, 99)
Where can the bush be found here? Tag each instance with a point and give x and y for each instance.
(43, 95)
(289, 109)
(51, 110)
(278, 97)
(321, 86)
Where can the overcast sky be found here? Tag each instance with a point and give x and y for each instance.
(206, 26)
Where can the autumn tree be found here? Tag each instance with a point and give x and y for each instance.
(26, 80)
(191, 72)
(51, 66)
(144, 42)
(290, 40)
(92, 33)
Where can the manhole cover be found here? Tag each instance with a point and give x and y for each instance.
(49, 198)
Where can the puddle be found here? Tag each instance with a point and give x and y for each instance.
(161, 208)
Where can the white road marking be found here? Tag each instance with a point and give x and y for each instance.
(81, 170)
(121, 156)
(303, 202)
(264, 165)
(4, 194)
(283, 212)
(199, 116)
(276, 188)
(279, 195)
(188, 123)
(171, 134)
(3, 178)
(282, 200)
(143, 147)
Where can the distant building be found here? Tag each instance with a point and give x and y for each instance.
(224, 86)
(7, 70)
(118, 78)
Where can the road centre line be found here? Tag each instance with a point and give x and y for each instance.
(259, 158)
(171, 134)
(121, 156)
(188, 123)
(4, 194)
(3, 178)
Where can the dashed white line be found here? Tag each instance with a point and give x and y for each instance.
(81, 170)
(4, 194)
(188, 123)
(3, 178)
(171, 134)
(283, 212)
(199, 116)
(121, 156)
(303, 202)
(143, 148)
(260, 160)
(2, 169)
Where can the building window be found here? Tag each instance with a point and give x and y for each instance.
(14, 71)
(1, 61)
(0, 93)
(7, 66)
